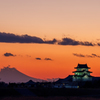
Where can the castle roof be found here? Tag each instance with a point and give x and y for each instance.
(82, 71)
(82, 66)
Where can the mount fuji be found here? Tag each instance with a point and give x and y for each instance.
(8, 74)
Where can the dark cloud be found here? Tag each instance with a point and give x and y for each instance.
(69, 41)
(50, 41)
(12, 38)
(38, 58)
(9, 54)
(47, 59)
(90, 56)
(98, 44)
(78, 55)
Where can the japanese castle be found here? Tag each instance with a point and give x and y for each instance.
(82, 73)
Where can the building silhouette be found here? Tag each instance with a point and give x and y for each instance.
(82, 73)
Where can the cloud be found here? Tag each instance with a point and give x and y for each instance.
(47, 59)
(69, 41)
(51, 41)
(12, 38)
(87, 43)
(98, 44)
(89, 56)
(78, 55)
(44, 59)
(95, 55)
(38, 58)
(9, 54)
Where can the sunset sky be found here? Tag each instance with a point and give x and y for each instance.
(48, 38)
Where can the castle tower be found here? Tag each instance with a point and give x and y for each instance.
(82, 73)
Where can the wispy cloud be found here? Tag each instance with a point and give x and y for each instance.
(78, 55)
(38, 58)
(95, 55)
(8, 54)
(89, 56)
(47, 59)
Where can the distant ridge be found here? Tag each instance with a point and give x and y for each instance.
(67, 79)
(8, 74)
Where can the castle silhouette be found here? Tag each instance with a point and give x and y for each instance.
(82, 73)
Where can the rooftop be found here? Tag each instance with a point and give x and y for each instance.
(82, 66)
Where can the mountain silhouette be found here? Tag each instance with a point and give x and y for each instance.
(8, 74)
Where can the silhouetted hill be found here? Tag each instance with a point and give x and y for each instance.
(69, 78)
(13, 75)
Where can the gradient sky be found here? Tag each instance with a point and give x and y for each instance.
(48, 19)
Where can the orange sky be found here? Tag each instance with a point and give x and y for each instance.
(76, 19)
(62, 64)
